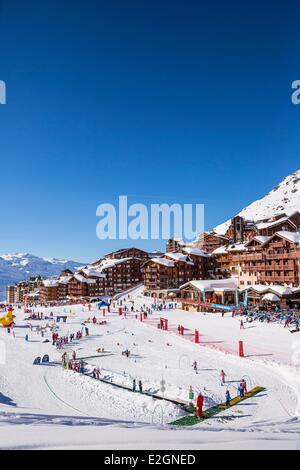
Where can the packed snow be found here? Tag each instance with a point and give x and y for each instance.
(47, 406)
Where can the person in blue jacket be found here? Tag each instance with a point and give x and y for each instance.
(227, 398)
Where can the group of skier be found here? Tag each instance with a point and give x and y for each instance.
(140, 385)
(242, 390)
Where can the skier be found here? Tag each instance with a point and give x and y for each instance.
(244, 385)
(195, 367)
(74, 355)
(227, 398)
(242, 325)
(241, 390)
(223, 376)
(200, 401)
(134, 385)
(140, 386)
(191, 395)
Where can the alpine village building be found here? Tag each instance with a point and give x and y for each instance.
(263, 258)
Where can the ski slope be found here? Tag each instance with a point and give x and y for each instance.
(49, 407)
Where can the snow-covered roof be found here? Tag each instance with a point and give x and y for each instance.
(213, 285)
(230, 248)
(291, 236)
(64, 279)
(83, 279)
(110, 263)
(237, 247)
(260, 239)
(91, 271)
(273, 223)
(179, 257)
(51, 283)
(195, 251)
(164, 262)
(271, 297)
(220, 251)
(275, 289)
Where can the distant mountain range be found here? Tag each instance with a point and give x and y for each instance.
(284, 198)
(18, 267)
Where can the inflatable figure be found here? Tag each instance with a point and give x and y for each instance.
(8, 320)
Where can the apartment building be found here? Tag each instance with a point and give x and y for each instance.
(163, 276)
(273, 260)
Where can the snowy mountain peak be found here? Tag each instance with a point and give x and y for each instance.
(16, 267)
(284, 198)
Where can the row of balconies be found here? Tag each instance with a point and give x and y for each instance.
(279, 279)
(269, 267)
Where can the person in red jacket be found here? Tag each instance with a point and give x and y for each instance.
(200, 401)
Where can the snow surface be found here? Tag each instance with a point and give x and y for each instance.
(285, 198)
(47, 407)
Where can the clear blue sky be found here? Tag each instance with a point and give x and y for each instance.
(166, 101)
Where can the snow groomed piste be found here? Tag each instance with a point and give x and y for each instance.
(52, 394)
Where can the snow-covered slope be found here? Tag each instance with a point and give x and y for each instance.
(20, 266)
(284, 198)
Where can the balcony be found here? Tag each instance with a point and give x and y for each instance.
(279, 279)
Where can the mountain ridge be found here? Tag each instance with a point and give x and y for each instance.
(284, 198)
(16, 267)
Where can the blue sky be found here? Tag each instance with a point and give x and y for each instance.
(164, 101)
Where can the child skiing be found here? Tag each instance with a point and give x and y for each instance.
(241, 390)
(244, 385)
(191, 395)
(227, 398)
(223, 377)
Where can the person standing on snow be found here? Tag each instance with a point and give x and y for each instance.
(191, 395)
(195, 367)
(223, 377)
(244, 385)
(134, 385)
(227, 398)
(242, 325)
(140, 386)
(199, 407)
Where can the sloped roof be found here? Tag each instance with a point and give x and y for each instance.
(271, 297)
(213, 284)
(293, 237)
(179, 257)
